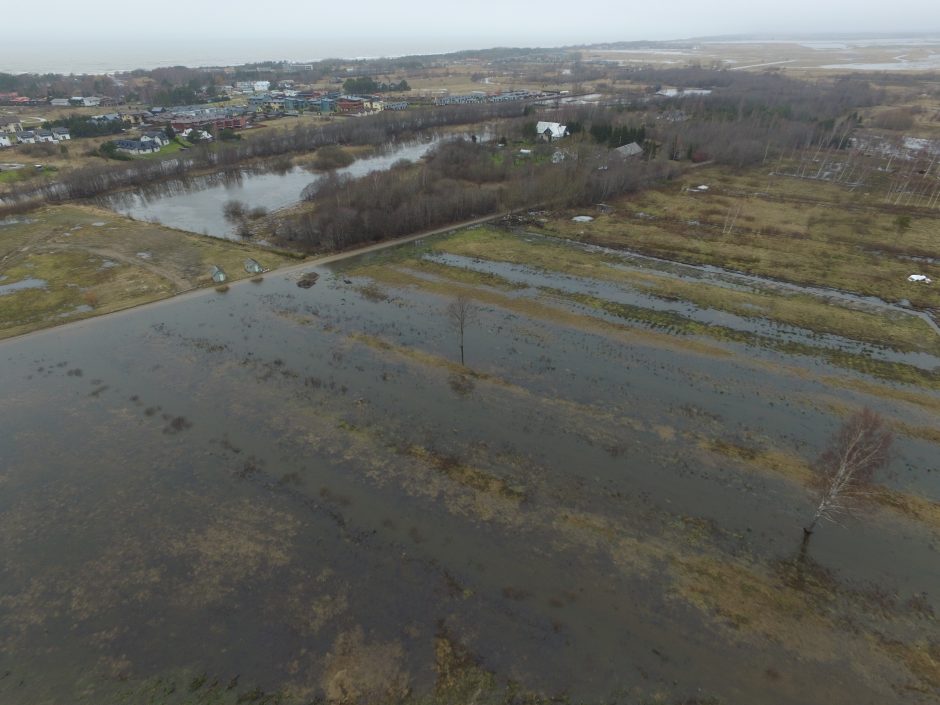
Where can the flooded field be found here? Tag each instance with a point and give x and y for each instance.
(278, 494)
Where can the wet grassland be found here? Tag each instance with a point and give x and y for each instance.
(275, 494)
(64, 263)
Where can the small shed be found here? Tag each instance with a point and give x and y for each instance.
(218, 274)
(629, 150)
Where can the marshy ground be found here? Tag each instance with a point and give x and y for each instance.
(80, 261)
(277, 494)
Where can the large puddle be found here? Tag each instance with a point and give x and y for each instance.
(258, 484)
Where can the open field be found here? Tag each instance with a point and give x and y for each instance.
(84, 261)
(799, 230)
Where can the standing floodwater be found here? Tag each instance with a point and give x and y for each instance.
(299, 493)
(197, 204)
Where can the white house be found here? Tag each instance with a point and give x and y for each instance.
(61, 133)
(201, 135)
(551, 130)
(44, 136)
(157, 137)
(26, 137)
(261, 86)
(85, 101)
(59, 102)
(5, 140)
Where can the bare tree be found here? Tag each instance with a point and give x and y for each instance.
(462, 311)
(846, 469)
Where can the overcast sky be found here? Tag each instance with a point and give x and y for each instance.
(318, 29)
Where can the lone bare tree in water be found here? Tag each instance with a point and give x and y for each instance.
(461, 312)
(845, 471)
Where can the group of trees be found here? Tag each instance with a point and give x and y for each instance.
(367, 84)
(615, 135)
(83, 126)
(459, 181)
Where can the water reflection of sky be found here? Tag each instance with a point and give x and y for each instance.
(231, 482)
(196, 204)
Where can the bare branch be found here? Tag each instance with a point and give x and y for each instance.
(847, 468)
(462, 311)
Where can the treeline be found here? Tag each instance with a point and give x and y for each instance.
(367, 84)
(459, 181)
(617, 135)
(382, 128)
(742, 94)
(746, 119)
(81, 126)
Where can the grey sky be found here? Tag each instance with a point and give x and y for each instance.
(482, 20)
(252, 30)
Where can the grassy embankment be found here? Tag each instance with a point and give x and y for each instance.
(94, 261)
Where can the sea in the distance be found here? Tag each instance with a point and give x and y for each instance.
(94, 56)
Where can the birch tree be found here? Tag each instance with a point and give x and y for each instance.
(846, 469)
(461, 312)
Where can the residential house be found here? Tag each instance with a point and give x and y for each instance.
(296, 103)
(327, 105)
(549, 131)
(509, 96)
(137, 118)
(629, 150)
(261, 86)
(350, 104)
(26, 137)
(5, 140)
(157, 137)
(85, 101)
(12, 127)
(59, 102)
(136, 146)
(44, 136)
(396, 105)
(200, 135)
(61, 133)
(475, 97)
(109, 117)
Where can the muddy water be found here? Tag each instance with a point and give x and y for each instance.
(196, 204)
(238, 484)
